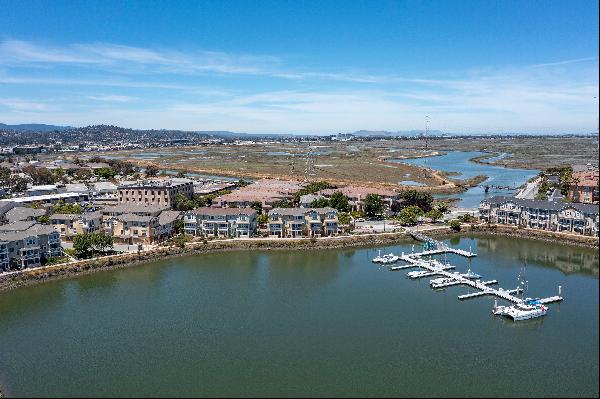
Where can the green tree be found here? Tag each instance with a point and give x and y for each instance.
(283, 204)
(409, 216)
(40, 175)
(417, 198)
(152, 170)
(455, 225)
(257, 206)
(243, 183)
(339, 201)
(262, 219)
(320, 203)
(44, 219)
(82, 244)
(83, 174)
(344, 218)
(201, 201)
(17, 184)
(434, 215)
(101, 241)
(105, 173)
(68, 208)
(373, 205)
(178, 225)
(183, 203)
(442, 206)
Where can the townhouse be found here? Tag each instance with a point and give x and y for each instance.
(221, 222)
(138, 223)
(70, 225)
(21, 213)
(539, 214)
(27, 244)
(303, 222)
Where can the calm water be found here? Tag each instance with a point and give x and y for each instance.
(458, 161)
(303, 323)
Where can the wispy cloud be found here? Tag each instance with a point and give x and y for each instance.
(565, 62)
(25, 105)
(145, 88)
(113, 98)
(106, 55)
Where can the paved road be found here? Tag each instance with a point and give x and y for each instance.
(530, 190)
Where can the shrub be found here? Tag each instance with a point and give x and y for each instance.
(455, 225)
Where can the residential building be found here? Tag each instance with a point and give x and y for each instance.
(155, 192)
(138, 223)
(301, 222)
(539, 214)
(48, 199)
(357, 194)
(267, 192)
(27, 244)
(584, 187)
(70, 225)
(221, 222)
(21, 213)
(45, 189)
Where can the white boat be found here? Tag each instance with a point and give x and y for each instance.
(378, 258)
(440, 282)
(417, 274)
(389, 258)
(520, 311)
(471, 275)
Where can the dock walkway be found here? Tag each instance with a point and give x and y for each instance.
(436, 268)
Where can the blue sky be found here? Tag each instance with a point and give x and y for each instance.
(302, 67)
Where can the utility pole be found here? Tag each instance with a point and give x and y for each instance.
(427, 119)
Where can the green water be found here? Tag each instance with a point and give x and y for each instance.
(303, 324)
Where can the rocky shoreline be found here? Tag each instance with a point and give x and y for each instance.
(84, 267)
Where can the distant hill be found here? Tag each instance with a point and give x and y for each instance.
(34, 127)
(385, 133)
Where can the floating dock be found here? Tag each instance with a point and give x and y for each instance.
(435, 268)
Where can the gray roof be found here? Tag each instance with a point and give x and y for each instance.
(77, 188)
(224, 211)
(6, 206)
(34, 229)
(167, 217)
(590, 209)
(23, 213)
(135, 208)
(300, 211)
(17, 226)
(132, 217)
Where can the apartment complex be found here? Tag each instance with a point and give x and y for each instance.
(303, 222)
(221, 222)
(539, 214)
(154, 192)
(27, 244)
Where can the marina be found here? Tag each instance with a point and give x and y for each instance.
(521, 309)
